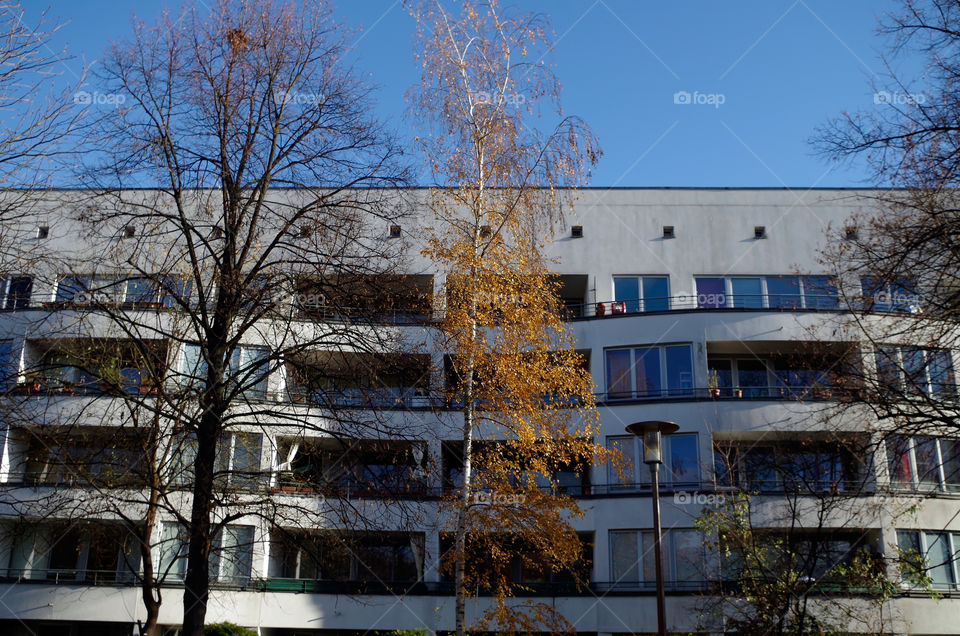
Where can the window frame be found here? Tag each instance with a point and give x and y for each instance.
(669, 543)
(639, 304)
(930, 386)
(664, 390)
(910, 453)
(808, 300)
(953, 550)
(636, 461)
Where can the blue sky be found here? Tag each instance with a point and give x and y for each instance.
(780, 68)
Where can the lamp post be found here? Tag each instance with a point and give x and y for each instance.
(650, 432)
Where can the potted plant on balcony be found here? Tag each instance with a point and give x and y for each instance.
(738, 393)
(33, 382)
(713, 382)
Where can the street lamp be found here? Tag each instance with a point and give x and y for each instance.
(650, 432)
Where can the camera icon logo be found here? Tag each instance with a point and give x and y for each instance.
(681, 97)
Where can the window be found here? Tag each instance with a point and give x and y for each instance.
(632, 558)
(642, 293)
(681, 466)
(932, 554)
(900, 295)
(9, 367)
(928, 463)
(913, 370)
(89, 289)
(183, 454)
(140, 291)
(788, 466)
(15, 292)
(106, 457)
(231, 554)
(248, 369)
(655, 371)
(383, 557)
(238, 459)
(812, 555)
(770, 292)
(522, 563)
(173, 552)
(748, 375)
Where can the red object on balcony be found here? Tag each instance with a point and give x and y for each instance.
(619, 307)
(601, 309)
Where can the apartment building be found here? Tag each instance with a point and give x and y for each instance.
(710, 308)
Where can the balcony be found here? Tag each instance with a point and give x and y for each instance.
(334, 379)
(383, 299)
(75, 366)
(104, 457)
(352, 467)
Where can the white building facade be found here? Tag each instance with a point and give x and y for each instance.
(696, 306)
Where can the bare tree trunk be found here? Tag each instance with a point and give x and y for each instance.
(196, 584)
(151, 597)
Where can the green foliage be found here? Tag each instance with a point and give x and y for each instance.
(768, 585)
(410, 632)
(913, 570)
(227, 629)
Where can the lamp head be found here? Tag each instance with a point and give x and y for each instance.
(651, 432)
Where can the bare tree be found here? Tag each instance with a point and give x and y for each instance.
(38, 116)
(269, 185)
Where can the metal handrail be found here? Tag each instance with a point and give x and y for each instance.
(767, 392)
(709, 302)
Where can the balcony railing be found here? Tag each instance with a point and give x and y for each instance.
(779, 392)
(69, 576)
(705, 302)
(388, 316)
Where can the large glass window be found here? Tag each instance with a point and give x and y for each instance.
(248, 368)
(642, 293)
(173, 551)
(238, 456)
(915, 370)
(770, 292)
(643, 372)
(924, 462)
(231, 555)
(681, 464)
(900, 295)
(789, 466)
(932, 554)
(747, 292)
(632, 558)
(15, 292)
(385, 557)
